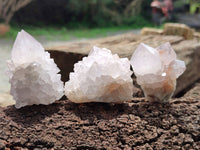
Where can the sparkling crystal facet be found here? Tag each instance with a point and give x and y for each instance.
(100, 77)
(148, 55)
(33, 74)
(157, 70)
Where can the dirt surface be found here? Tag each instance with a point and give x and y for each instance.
(137, 124)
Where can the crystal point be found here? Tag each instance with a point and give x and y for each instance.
(156, 71)
(166, 52)
(145, 60)
(32, 73)
(100, 77)
(25, 50)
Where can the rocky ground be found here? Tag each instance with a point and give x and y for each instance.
(137, 124)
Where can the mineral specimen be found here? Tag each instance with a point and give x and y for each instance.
(100, 77)
(156, 71)
(32, 73)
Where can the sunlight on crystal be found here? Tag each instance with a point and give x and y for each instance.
(164, 74)
(100, 77)
(157, 70)
(33, 75)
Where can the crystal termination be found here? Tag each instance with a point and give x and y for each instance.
(32, 73)
(156, 71)
(100, 77)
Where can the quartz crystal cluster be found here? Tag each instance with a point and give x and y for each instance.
(100, 77)
(33, 74)
(156, 71)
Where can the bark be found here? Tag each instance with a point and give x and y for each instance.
(133, 125)
(9, 7)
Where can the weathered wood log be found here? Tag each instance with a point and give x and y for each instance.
(178, 29)
(137, 124)
(197, 35)
(151, 31)
(6, 99)
(124, 45)
(133, 125)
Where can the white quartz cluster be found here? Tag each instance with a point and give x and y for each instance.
(100, 77)
(157, 70)
(33, 74)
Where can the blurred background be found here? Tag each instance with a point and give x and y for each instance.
(55, 22)
(68, 19)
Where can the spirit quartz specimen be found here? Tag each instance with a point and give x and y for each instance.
(100, 77)
(32, 73)
(156, 71)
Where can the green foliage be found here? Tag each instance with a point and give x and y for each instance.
(180, 3)
(82, 13)
(46, 32)
(137, 22)
(63, 33)
(79, 18)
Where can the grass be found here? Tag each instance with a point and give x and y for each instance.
(52, 33)
(78, 30)
(180, 3)
(62, 33)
